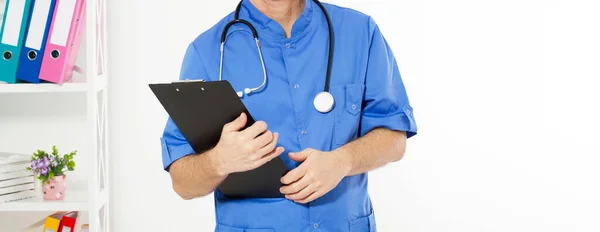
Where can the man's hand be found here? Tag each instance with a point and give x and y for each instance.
(239, 151)
(319, 173)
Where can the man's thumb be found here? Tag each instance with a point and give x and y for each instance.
(236, 124)
(299, 156)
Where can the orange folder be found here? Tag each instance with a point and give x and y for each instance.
(53, 222)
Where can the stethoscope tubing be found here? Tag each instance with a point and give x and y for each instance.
(255, 35)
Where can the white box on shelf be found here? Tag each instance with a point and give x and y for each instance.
(14, 174)
(18, 196)
(16, 183)
(11, 158)
(17, 188)
(14, 166)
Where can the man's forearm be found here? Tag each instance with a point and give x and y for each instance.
(195, 176)
(377, 148)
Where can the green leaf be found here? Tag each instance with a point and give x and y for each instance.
(51, 175)
(59, 168)
(71, 165)
(54, 151)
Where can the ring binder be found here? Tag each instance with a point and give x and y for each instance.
(13, 30)
(63, 41)
(35, 40)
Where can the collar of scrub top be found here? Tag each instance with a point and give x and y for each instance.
(271, 31)
(323, 101)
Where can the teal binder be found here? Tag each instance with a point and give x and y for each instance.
(12, 35)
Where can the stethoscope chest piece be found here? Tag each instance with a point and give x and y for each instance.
(324, 102)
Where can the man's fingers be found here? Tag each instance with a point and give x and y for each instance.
(266, 149)
(298, 156)
(253, 131)
(272, 155)
(296, 187)
(302, 155)
(293, 175)
(236, 124)
(303, 194)
(263, 140)
(310, 198)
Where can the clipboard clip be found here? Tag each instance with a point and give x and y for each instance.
(187, 81)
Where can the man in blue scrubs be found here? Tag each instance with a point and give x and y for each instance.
(329, 154)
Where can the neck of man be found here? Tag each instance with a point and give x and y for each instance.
(284, 12)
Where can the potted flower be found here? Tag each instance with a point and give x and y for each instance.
(50, 170)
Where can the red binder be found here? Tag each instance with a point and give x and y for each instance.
(68, 222)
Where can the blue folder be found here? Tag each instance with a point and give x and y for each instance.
(35, 40)
(16, 17)
(36, 36)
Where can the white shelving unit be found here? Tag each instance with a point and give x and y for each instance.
(76, 200)
(77, 85)
(20, 132)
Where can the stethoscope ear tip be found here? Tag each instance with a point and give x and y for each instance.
(246, 91)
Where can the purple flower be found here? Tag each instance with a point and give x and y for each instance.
(37, 163)
(33, 165)
(44, 171)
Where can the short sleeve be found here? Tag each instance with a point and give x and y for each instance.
(174, 145)
(386, 103)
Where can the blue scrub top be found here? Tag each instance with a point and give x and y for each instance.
(366, 85)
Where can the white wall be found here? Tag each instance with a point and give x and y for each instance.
(505, 94)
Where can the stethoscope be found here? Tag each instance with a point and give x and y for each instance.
(323, 101)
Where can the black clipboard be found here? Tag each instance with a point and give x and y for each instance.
(200, 110)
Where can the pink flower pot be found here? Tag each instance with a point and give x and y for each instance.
(54, 189)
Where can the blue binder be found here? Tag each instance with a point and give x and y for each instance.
(35, 40)
(16, 15)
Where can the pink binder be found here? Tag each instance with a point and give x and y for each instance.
(63, 42)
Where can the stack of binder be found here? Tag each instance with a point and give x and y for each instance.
(16, 183)
(40, 40)
(63, 222)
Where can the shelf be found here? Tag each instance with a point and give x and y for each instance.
(75, 200)
(76, 85)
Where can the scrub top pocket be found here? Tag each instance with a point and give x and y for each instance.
(348, 109)
(364, 224)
